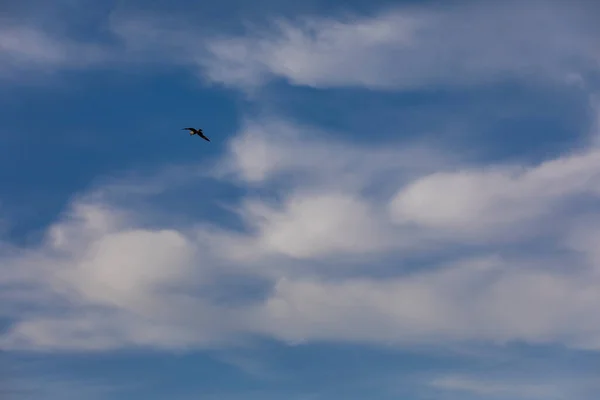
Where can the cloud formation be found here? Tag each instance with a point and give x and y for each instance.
(399, 48)
(24, 48)
(399, 244)
(107, 279)
(412, 47)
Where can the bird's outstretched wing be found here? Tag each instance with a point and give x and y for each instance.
(194, 131)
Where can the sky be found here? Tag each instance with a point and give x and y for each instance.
(400, 200)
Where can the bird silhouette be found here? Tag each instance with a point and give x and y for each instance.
(196, 132)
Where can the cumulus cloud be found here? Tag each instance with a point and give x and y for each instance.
(480, 201)
(105, 278)
(108, 283)
(323, 220)
(488, 299)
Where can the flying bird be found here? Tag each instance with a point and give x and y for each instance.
(196, 132)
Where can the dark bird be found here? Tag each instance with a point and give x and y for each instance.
(197, 132)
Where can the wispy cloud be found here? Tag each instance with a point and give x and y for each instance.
(494, 389)
(413, 47)
(394, 49)
(25, 48)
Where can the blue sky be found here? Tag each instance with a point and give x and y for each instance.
(399, 200)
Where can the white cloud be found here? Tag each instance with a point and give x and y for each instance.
(314, 225)
(105, 278)
(318, 180)
(411, 47)
(109, 284)
(482, 300)
(397, 48)
(24, 48)
(346, 239)
(269, 149)
(486, 201)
